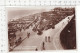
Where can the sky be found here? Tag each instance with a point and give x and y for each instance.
(18, 12)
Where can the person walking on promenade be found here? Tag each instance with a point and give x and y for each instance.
(68, 19)
(46, 38)
(43, 46)
(27, 34)
(49, 39)
(36, 49)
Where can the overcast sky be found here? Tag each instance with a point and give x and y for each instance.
(18, 12)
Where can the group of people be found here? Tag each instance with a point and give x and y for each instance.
(47, 39)
(43, 47)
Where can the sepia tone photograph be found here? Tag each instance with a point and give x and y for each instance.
(41, 28)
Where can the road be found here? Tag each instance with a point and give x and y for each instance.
(35, 41)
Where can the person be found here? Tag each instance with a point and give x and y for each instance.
(43, 48)
(20, 38)
(46, 38)
(43, 44)
(36, 49)
(29, 34)
(49, 38)
(19, 41)
(68, 18)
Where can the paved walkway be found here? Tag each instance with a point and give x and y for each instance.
(35, 41)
